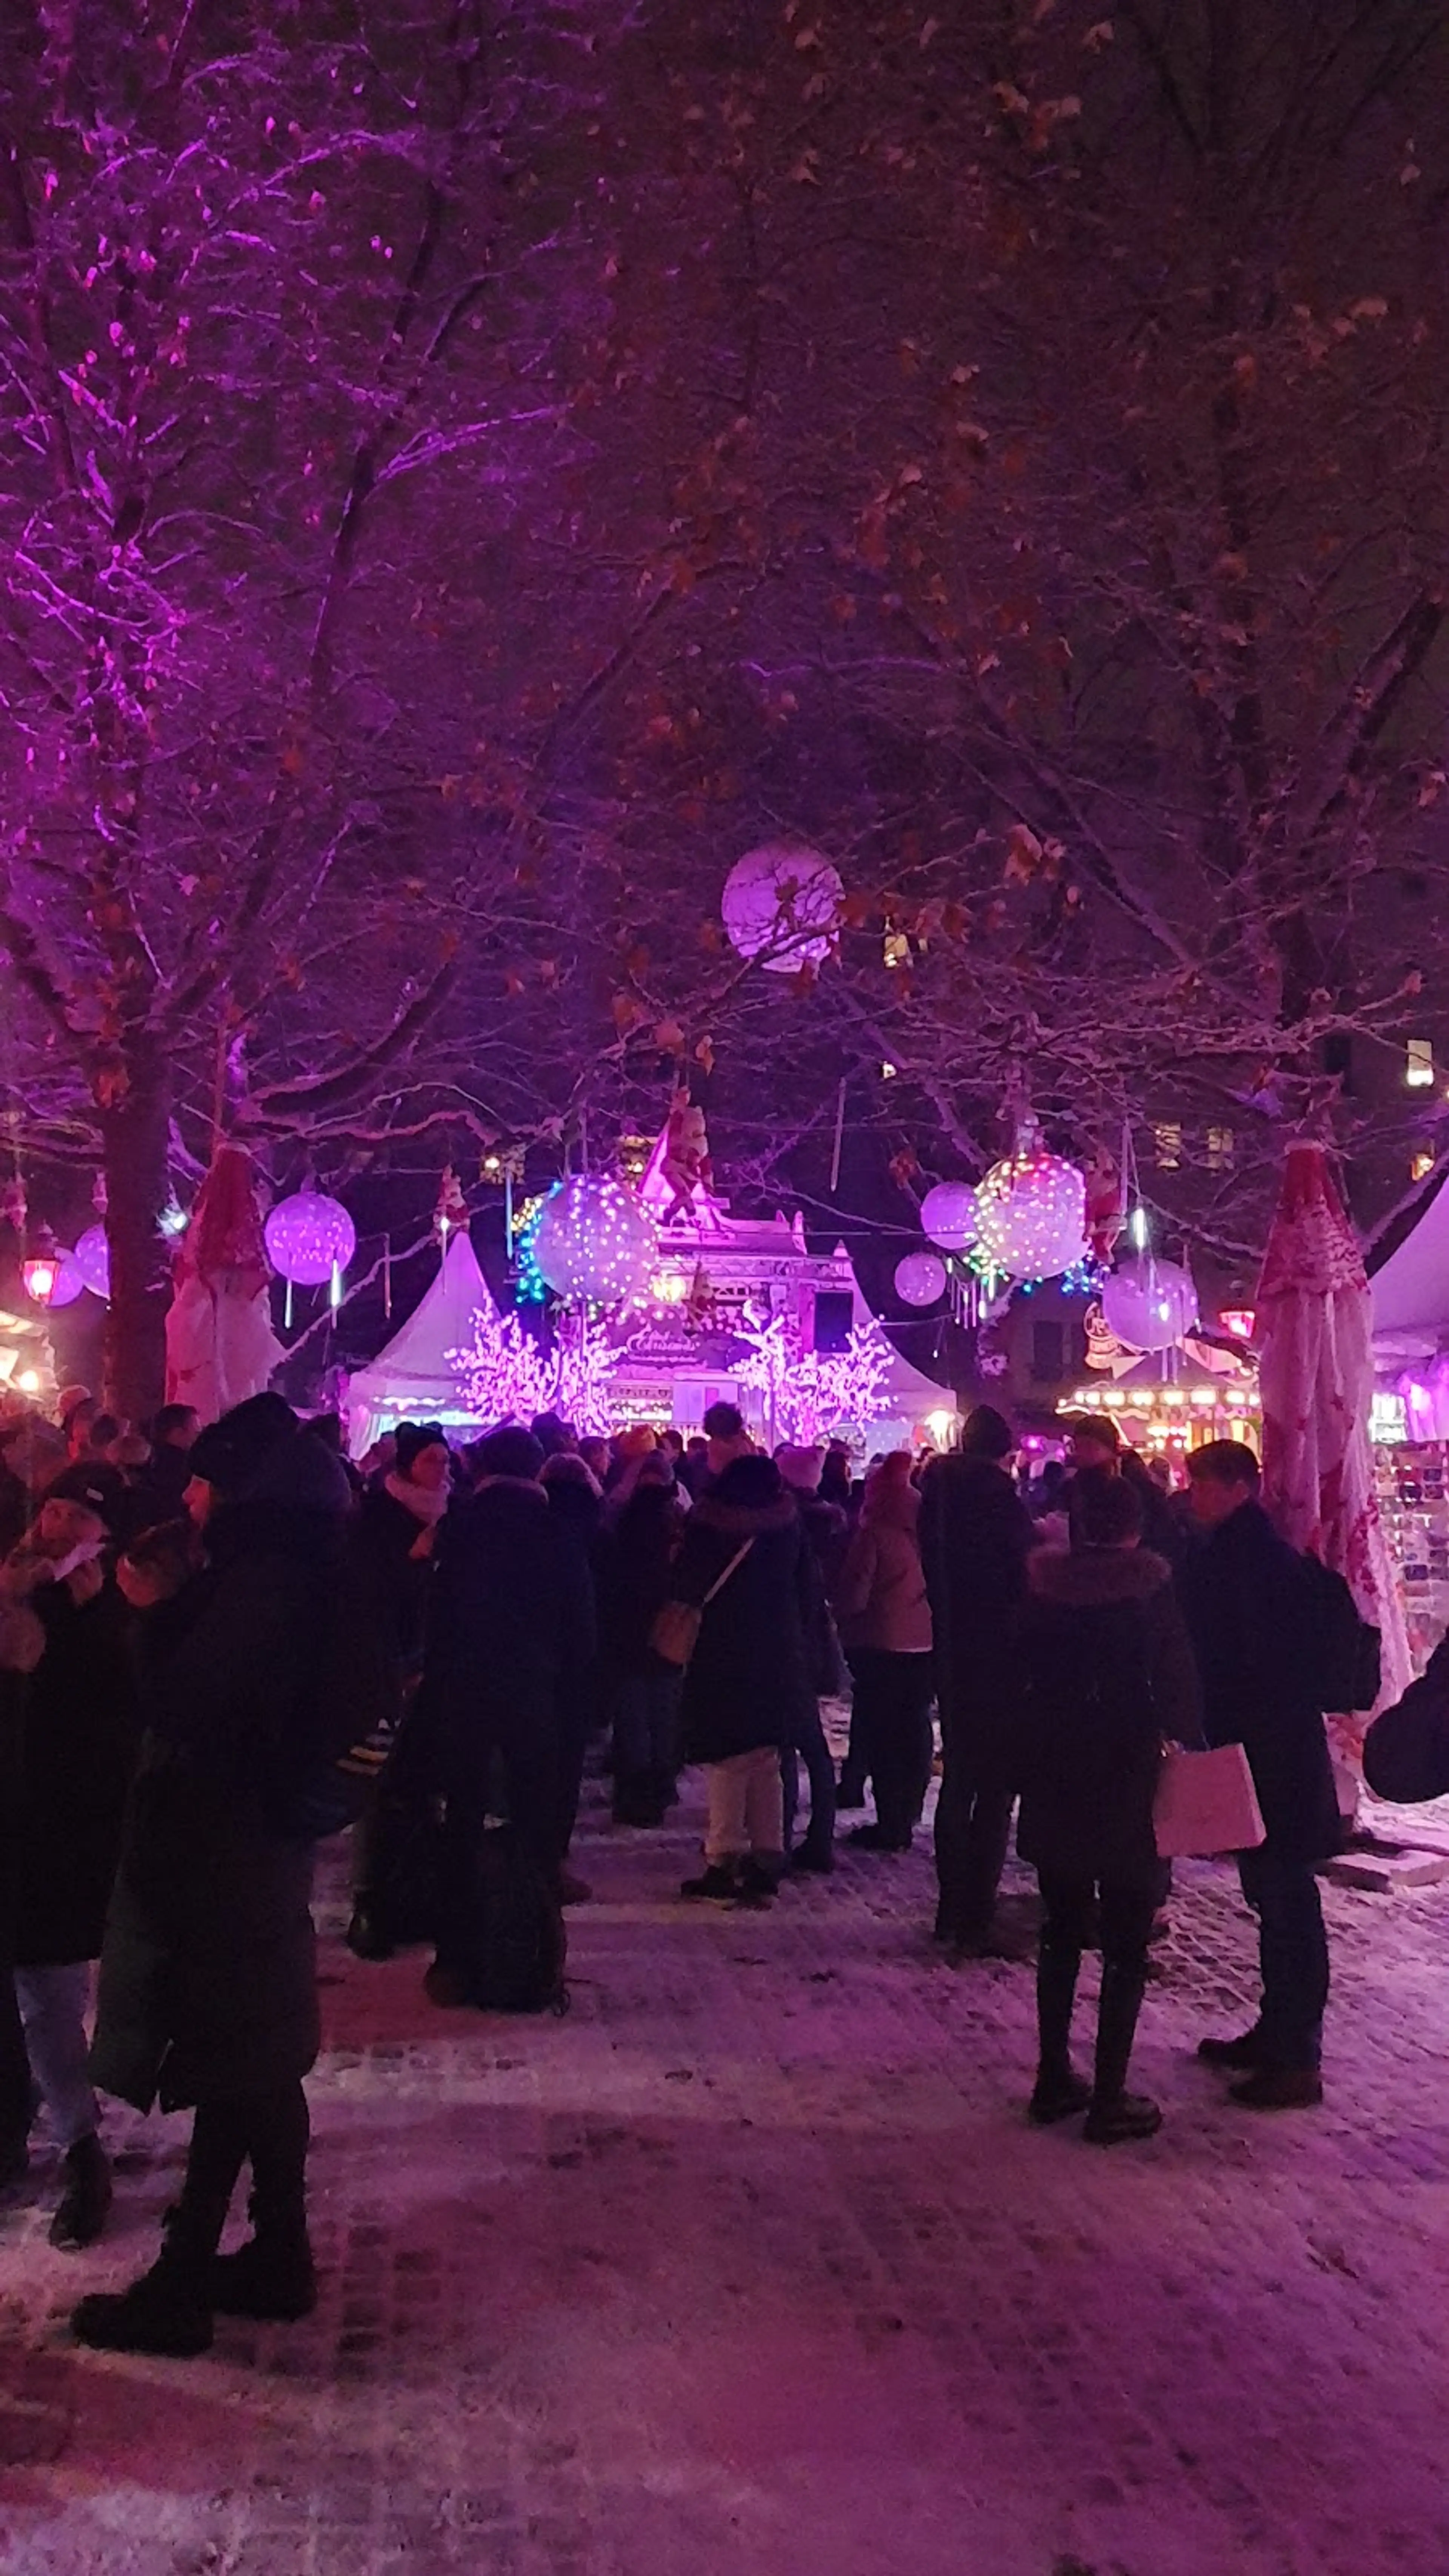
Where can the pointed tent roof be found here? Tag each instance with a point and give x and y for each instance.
(1409, 1284)
(411, 1380)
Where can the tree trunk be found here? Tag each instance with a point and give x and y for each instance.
(135, 1136)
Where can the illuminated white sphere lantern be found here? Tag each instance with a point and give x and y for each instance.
(92, 1258)
(310, 1239)
(1150, 1304)
(782, 907)
(920, 1278)
(1031, 1213)
(949, 1216)
(594, 1241)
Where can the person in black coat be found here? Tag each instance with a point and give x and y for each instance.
(22, 1643)
(643, 1525)
(576, 1501)
(1250, 1607)
(78, 1743)
(208, 1990)
(394, 1537)
(976, 1535)
(1098, 1448)
(511, 1640)
(743, 1688)
(1107, 1676)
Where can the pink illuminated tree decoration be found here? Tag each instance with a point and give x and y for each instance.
(501, 1372)
(808, 1395)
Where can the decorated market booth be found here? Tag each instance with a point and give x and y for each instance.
(1409, 1286)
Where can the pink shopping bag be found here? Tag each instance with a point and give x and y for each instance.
(1206, 1803)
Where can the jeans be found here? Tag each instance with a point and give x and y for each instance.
(744, 1808)
(646, 1732)
(1293, 1955)
(53, 2005)
(890, 1733)
(808, 1737)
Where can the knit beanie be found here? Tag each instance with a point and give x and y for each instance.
(412, 1438)
(801, 1469)
(232, 1453)
(987, 1434)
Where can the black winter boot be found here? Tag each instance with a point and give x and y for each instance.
(167, 2311)
(1115, 2114)
(1060, 2092)
(272, 2276)
(86, 2200)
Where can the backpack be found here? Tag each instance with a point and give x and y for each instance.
(510, 1944)
(1347, 1666)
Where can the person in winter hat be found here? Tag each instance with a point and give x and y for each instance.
(77, 1749)
(208, 1990)
(976, 1535)
(1107, 1675)
(885, 1620)
(749, 1670)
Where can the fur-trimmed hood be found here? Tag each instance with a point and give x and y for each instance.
(1091, 1578)
(741, 1520)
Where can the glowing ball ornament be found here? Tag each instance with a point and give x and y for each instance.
(310, 1239)
(1032, 1214)
(1150, 1304)
(921, 1278)
(949, 1217)
(92, 1258)
(782, 906)
(594, 1241)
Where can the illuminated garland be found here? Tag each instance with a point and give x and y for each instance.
(530, 1286)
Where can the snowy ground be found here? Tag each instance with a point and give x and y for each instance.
(751, 2268)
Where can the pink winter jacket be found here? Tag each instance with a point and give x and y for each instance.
(880, 1599)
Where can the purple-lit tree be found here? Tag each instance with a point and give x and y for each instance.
(476, 469)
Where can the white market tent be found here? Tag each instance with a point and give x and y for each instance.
(411, 1380)
(1410, 1286)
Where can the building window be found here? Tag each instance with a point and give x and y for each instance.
(1048, 1354)
(1419, 1064)
(1220, 1149)
(1167, 1140)
(1338, 1058)
(895, 949)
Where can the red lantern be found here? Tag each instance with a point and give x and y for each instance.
(1239, 1321)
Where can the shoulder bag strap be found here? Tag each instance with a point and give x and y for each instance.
(721, 1580)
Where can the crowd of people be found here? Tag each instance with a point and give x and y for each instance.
(203, 1630)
